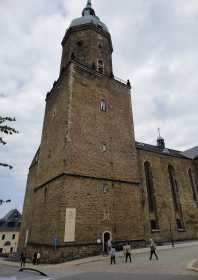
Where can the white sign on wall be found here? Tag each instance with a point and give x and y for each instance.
(70, 224)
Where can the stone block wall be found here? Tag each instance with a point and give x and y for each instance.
(164, 200)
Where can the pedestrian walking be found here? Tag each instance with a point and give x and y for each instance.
(38, 257)
(23, 259)
(113, 255)
(153, 250)
(34, 261)
(109, 246)
(127, 252)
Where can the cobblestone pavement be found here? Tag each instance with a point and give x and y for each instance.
(172, 264)
(171, 261)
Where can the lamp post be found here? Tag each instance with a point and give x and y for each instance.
(4, 201)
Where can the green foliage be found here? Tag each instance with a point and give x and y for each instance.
(5, 129)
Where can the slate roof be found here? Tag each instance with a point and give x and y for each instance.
(11, 221)
(192, 153)
(156, 149)
(89, 17)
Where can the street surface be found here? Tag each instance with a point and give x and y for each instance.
(171, 266)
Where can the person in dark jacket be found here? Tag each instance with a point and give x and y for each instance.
(23, 259)
(34, 261)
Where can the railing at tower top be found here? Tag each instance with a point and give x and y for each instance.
(112, 76)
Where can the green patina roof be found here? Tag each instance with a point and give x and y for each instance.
(89, 16)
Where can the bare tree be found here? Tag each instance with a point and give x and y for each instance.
(5, 129)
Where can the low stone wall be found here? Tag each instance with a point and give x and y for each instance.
(60, 254)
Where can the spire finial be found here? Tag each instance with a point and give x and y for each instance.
(160, 140)
(88, 10)
(159, 132)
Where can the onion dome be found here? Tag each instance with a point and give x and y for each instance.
(89, 17)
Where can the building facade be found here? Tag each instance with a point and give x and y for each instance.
(90, 181)
(9, 232)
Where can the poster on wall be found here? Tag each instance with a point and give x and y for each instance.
(70, 224)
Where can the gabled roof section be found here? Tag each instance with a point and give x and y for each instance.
(11, 221)
(192, 153)
(156, 149)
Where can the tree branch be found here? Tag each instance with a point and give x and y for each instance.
(6, 165)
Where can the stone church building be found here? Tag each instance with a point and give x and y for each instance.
(90, 181)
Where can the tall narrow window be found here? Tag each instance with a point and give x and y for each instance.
(174, 187)
(154, 224)
(100, 66)
(45, 194)
(192, 184)
(149, 185)
(103, 106)
(176, 198)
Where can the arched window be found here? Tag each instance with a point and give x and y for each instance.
(154, 224)
(103, 106)
(7, 243)
(176, 198)
(100, 66)
(179, 224)
(174, 187)
(149, 186)
(192, 184)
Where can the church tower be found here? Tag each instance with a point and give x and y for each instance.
(83, 185)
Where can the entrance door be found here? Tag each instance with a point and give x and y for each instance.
(106, 237)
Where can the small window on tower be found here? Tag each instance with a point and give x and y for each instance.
(179, 224)
(103, 106)
(154, 225)
(80, 44)
(100, 46)
(104, 147)
(105, 188)
(100, 66)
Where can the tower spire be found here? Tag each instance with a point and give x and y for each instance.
(160, 140)
(88, 10)
(159, 133)
(88, 2)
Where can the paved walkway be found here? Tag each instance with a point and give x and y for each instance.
(172, 261)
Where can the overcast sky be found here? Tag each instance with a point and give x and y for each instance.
(155, 46)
